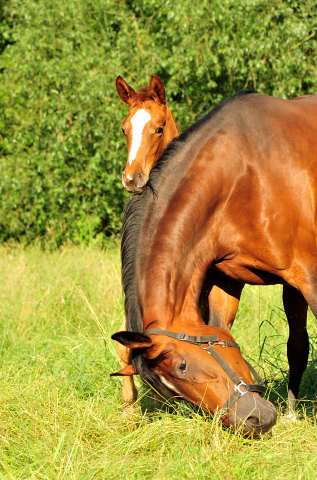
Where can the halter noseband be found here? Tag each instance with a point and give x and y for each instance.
(240, 387)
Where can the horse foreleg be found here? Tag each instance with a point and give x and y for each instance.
(129, 392)
(295, 307)
(219, 300)
(223, 306)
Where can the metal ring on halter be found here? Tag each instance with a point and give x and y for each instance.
(237, 386)
(205, 348)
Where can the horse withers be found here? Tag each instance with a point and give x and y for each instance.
(148, 128)
(235, 194)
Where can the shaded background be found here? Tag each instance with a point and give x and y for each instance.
(61, 147)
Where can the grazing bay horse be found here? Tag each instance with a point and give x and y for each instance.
(235, 194)
(148, 128)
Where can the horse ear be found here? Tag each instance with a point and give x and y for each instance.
(132, 339)
(157, 89)
(127, 371)
(125, 92)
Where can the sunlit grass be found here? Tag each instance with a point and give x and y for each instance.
(61, 413)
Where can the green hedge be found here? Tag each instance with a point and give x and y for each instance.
(62, 151)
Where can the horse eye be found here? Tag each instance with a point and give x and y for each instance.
(183, 366)
(159, 130)
(122, 131)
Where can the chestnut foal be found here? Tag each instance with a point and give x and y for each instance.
(148, 128)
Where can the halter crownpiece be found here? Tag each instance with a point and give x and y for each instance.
(240, 387)
(196, 340)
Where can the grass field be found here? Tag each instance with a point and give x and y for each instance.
(61, 413)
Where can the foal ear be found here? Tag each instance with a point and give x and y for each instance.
(125, 92)
(157, 89)
(133, 339)
(127, 371)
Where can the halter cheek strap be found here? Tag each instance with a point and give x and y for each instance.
(240, 387)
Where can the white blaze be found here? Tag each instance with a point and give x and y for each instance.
(138, 121)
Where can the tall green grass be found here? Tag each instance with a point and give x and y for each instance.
(61, 413)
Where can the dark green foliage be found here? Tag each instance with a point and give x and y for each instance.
(62, 152)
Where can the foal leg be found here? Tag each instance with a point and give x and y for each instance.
(129, 392)
(220, 299)
(295, 307)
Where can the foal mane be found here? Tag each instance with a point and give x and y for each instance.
(132, 223)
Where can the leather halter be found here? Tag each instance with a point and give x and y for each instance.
(240, 387)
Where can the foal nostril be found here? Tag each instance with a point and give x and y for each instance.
(140, 179)
(134, 181)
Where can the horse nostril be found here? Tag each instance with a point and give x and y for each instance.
(254, 421)
(254, 415)
(134, 182)
(262, 422)
(138, 180)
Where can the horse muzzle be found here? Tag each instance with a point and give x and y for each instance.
(134, 182)
(252, 415)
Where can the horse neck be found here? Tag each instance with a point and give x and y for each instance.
(171, 297)
(170, 131)
(178, 244)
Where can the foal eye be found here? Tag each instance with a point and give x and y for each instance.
(183, 366)
(159, 130)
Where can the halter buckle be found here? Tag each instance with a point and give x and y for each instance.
(182, 336)
(237, 388)
(223, 343)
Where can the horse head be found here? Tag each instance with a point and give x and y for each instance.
(148, 127)
(214, 377)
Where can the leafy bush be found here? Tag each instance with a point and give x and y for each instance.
(62, 152)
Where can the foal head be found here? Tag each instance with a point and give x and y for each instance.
(189, 372)
(148, 127)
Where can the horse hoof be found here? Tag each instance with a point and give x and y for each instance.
(289, 416)
(128, 410)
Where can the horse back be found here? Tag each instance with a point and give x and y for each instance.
(247, 176)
